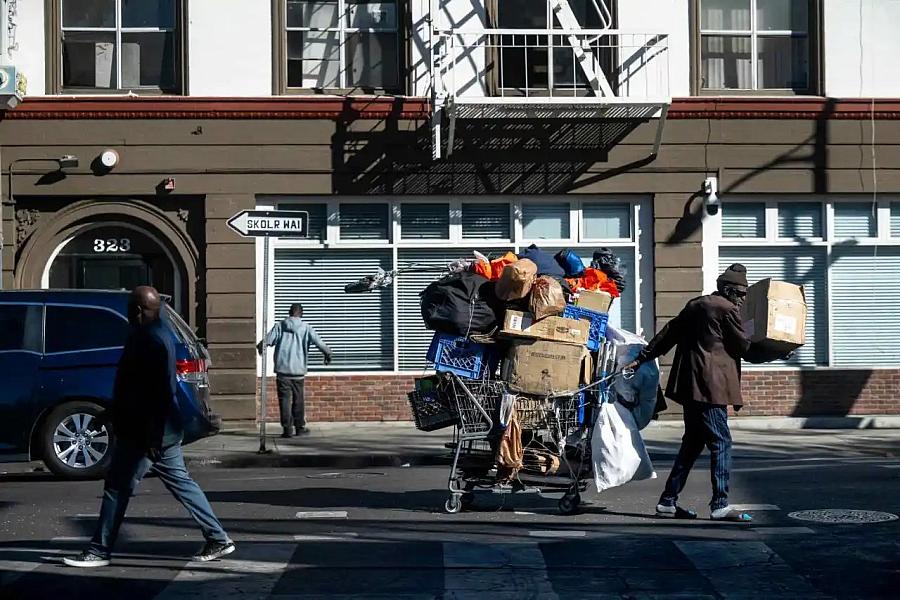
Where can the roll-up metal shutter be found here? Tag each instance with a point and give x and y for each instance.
(800, 220)
(486, 221)
(545, 220)
(413, 337)
(425, 221)
(800, 265)
(743, 220)
(359, 328)
(855, 220)
(865, 294)
(365, 221)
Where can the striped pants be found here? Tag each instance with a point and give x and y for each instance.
(704, 425)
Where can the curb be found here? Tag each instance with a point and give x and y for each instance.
(799, 423)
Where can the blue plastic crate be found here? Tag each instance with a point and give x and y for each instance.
(598, 323)
(455, 354)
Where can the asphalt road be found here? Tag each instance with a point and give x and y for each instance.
(381, 533)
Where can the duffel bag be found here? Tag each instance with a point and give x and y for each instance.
(459, 304)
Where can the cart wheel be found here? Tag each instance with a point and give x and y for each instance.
(467, 500)
(453, 504)
(568, 504)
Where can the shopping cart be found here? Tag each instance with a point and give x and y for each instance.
(558, 426)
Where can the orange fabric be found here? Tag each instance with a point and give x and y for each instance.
(594, 280)
(498, 264)
(483, 268)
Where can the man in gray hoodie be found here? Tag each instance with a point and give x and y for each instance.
(292, 339)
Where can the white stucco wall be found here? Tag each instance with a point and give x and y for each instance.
(30, 57)
(230, 48)
(662, 16)
(862, 45)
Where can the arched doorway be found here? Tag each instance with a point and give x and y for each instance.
(158, 249)
(113, 256)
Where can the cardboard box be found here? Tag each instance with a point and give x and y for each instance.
(774, 315)
(597, 301)
(558, 329)
(543, 367)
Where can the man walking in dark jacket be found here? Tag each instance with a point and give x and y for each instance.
(292, 338)
(148, 430)
(705, 379)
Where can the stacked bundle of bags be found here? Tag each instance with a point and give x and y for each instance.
(516, 304)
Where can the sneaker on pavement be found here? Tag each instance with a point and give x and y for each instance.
(214, 550)
(86, 560)
(674, 512)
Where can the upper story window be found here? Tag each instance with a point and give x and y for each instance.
(757, 45)
(115, 46)
(338, 45)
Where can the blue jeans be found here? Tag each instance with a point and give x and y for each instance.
(129, 465)
(704, 425)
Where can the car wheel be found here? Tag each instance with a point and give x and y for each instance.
(76, 441)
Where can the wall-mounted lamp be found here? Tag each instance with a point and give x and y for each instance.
(711, 195)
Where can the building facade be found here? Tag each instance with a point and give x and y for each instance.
(416, 131)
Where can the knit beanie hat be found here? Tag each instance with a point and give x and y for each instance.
(736, 274)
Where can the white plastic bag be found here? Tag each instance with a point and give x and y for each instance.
(638, 393)
(618, 450)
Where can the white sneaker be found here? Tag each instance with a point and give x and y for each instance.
(729, 513)
(86, 560)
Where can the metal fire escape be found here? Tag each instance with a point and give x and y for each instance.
(483, 73)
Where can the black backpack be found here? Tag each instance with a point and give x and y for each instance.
(459, 304)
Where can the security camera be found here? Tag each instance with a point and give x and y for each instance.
(711, 195)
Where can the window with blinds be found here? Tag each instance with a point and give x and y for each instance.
(855, 220)
(800, 220)
(425, 221)
(743, 220)
(606, 221)
(318, 217)
(486, 221)
(545, 221)
(865, 293)
(365, 221)
(804, 266)
(412, 336)
(359, 328)
(895, 219)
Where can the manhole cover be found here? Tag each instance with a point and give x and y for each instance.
(343, 475)
(843, 515)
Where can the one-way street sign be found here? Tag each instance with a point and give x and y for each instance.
(271, 223)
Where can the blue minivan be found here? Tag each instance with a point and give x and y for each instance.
(58, 355)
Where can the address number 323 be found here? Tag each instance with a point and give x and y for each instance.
(112, 245)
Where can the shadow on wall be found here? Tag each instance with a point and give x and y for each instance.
(489, 156)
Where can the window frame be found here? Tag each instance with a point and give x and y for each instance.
(54, 64)
(815, 85)
(828, 243)
(641, 280)
(279, 55)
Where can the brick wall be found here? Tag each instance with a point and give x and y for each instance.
(834, 392)
(766, 393)
(352, 398)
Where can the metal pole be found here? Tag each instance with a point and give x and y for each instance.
(264, 391)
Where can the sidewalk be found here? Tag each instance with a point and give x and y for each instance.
(386, 444)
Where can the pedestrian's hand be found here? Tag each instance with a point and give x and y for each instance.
(259, 348)
(327, 359)
(632, 366)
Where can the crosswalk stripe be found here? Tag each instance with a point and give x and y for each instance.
(746, 570)
(322, 514)
(254, 574)
(498, 571)
(756, 507)
(550, 533)
(330, 537)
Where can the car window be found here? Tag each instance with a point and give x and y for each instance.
(20, 327)
(72, 328)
